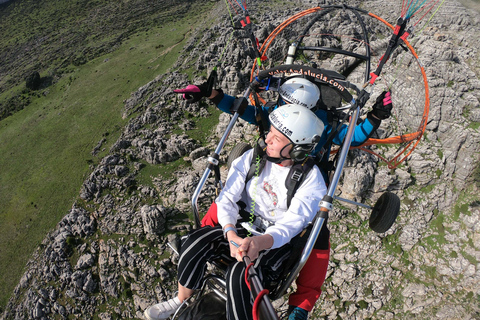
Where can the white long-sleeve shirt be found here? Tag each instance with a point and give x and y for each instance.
(269, 194)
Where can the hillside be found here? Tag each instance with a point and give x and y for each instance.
(108, 256)
(48, 148)
(50, 36)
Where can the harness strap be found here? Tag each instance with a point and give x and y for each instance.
(259, 150)
(335, 127)
(239, 105)
(262, 122)
(296, 176)
(242, 212)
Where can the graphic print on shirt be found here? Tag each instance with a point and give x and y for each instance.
(270, 187)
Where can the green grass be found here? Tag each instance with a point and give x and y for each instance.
(199, 133)
(163, 170)
(474, 125)
(36, 34)
(460, 208)
(46, 147)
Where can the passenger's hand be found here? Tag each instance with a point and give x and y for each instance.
(193, 93)
(382, 109)
(253, 245)
(234, 247)
(250, 248)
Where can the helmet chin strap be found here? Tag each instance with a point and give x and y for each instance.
(282, 158)
(275, 160)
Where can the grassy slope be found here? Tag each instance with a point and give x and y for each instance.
(38, 35)
(47, 146)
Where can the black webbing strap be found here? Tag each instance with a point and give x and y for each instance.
(326, 146)
(262, 122)
(259, 151)
(239, 105)
(297, 174)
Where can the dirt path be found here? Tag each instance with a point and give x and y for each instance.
(167, 50)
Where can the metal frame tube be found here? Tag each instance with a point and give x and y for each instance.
(266, 309)
(343, 153)
(322, 215)
(217, 281)
(207, 171)
(352, 202)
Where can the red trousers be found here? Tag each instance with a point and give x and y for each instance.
(310, 279)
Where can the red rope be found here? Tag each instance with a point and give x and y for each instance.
(246, 275)
(257, 302)
(427, 11)
(233, 6)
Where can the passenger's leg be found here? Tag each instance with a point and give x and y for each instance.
(183, 292)
(310, 280)
(313, 273)
(200, 245)
(211, 219)
(239, 300)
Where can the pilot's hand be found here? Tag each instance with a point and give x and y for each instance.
(382, 109)
(193, 93)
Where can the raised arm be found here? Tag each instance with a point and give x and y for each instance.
(381, 110)
(224, 102)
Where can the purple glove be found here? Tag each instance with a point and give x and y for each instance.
(193, 93)
(382, 109)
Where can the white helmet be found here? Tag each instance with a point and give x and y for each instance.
(300, 125)
(300, 91)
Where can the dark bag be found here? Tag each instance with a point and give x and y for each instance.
(207, 307)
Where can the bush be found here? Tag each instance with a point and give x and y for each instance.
(33, 81)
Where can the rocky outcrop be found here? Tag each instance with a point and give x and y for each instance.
(110, 257)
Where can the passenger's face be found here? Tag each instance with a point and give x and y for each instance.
(276, 141)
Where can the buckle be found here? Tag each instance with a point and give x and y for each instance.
(297, 174)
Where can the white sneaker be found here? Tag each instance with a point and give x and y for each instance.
(162, 310)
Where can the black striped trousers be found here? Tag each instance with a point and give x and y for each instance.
(208, 243)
